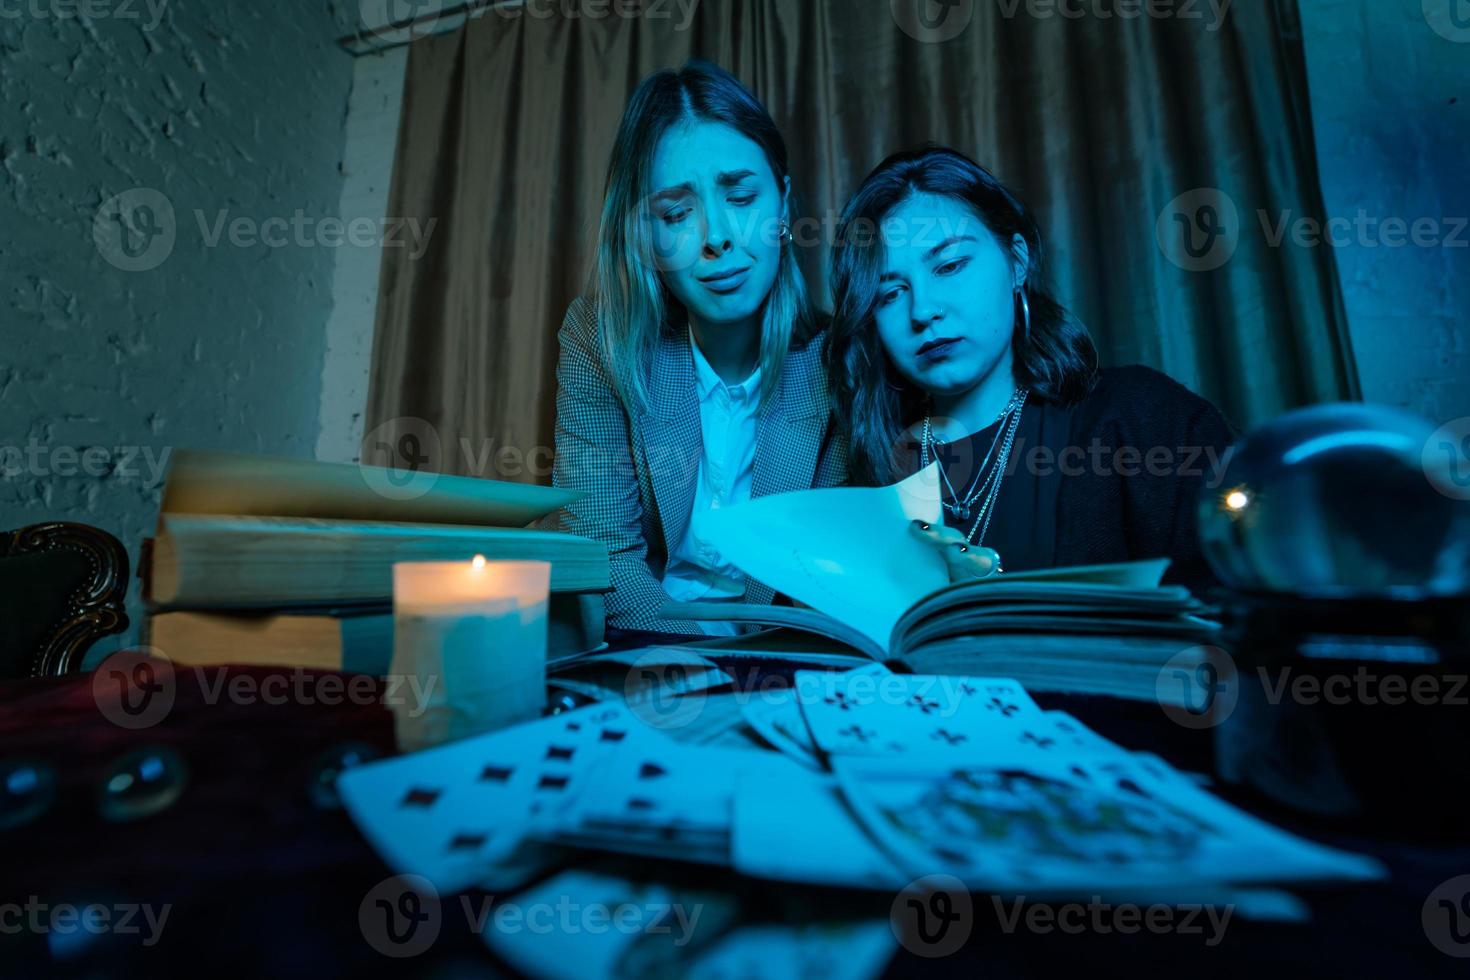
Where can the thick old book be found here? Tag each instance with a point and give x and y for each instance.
(880, 593)
(216, 562)
(356, 639)
(247, 532)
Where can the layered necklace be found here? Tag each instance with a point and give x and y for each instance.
(986, 484)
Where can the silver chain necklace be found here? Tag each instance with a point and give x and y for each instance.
(987, 481)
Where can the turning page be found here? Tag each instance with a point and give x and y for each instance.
(845, 551)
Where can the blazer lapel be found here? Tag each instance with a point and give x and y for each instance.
(672, 442)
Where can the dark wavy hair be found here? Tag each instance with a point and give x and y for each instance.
(873, 404)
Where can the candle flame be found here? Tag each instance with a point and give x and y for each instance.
(478, 562)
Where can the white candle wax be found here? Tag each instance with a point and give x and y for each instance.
(469, 647)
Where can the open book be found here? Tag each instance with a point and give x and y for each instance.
(848, 554)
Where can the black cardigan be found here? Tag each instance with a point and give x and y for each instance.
(1113, 502)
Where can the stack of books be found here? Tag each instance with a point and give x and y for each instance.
(259, 560)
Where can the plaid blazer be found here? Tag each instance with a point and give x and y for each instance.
(637, 472)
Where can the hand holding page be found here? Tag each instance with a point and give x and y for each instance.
(845, 550)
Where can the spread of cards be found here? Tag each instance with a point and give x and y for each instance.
(870, 780)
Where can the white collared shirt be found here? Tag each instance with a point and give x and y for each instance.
(729, 422)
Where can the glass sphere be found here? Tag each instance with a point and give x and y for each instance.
(1341, 500)
(142, 783)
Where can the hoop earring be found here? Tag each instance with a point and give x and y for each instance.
(1025, 313)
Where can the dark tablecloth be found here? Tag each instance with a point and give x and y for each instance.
(260, 882)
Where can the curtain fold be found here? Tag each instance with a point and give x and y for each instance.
(1159, 155)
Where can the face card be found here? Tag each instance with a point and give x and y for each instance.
(1058, 825)
(454, 813)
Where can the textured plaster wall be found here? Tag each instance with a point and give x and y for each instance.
(221, 124)
(1391, 110)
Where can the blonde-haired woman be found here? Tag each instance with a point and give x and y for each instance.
(691, 378)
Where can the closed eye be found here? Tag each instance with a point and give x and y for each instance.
(952, 266)
(743, 200)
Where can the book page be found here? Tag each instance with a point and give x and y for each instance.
(844, 551)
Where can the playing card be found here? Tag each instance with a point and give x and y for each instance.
(911, 714)
(595, 923)
(664, 799)
(454, 813)
(1068, 825)
(813, 951)
(793, 825)
(776, 717)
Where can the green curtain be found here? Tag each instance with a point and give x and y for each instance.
(1159, 154)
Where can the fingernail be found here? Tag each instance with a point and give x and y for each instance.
(922, 525)
(963, 548)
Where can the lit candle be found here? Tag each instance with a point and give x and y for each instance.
(469, 647)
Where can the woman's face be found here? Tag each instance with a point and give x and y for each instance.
(715, 217)
(945, 308)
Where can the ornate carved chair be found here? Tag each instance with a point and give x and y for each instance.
(62, 587)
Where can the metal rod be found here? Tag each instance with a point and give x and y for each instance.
(398, 33)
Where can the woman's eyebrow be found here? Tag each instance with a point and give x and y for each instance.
(952, 239)
(729, 178)
(672, 193)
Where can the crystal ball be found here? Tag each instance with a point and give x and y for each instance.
(1343, 500)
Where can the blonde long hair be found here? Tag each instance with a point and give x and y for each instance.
(633, 304)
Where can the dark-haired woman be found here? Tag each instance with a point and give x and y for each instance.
(692, 376)
(946, 345)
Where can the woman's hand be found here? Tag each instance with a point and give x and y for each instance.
(964, 561)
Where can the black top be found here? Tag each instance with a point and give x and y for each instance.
(1115, 477)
